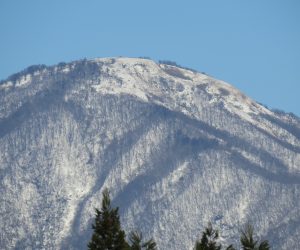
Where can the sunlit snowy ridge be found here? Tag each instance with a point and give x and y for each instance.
(177, 149)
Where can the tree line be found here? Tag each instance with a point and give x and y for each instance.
(108, 234)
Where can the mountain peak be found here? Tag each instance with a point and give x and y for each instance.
(173, 87)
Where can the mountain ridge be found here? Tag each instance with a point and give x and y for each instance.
(33, 69)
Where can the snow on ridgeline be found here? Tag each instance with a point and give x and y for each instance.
(34, 72)
(139, 77)
(168, 85)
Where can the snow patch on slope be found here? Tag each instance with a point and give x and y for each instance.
(174, 88)
(23, 81)
(6, 85)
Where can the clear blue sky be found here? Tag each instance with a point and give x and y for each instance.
(252, 44)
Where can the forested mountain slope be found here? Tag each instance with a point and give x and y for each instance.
(176, 148)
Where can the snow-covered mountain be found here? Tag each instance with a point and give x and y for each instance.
(176, 148)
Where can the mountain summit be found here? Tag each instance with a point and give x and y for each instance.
(177, 149)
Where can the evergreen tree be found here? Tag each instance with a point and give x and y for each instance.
(108, 234)
(249, 243)
(208, 240)
(135, 240)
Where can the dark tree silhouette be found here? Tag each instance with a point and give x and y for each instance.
(108, 234)
(208, 240)
(136, 242)
(249, 243)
